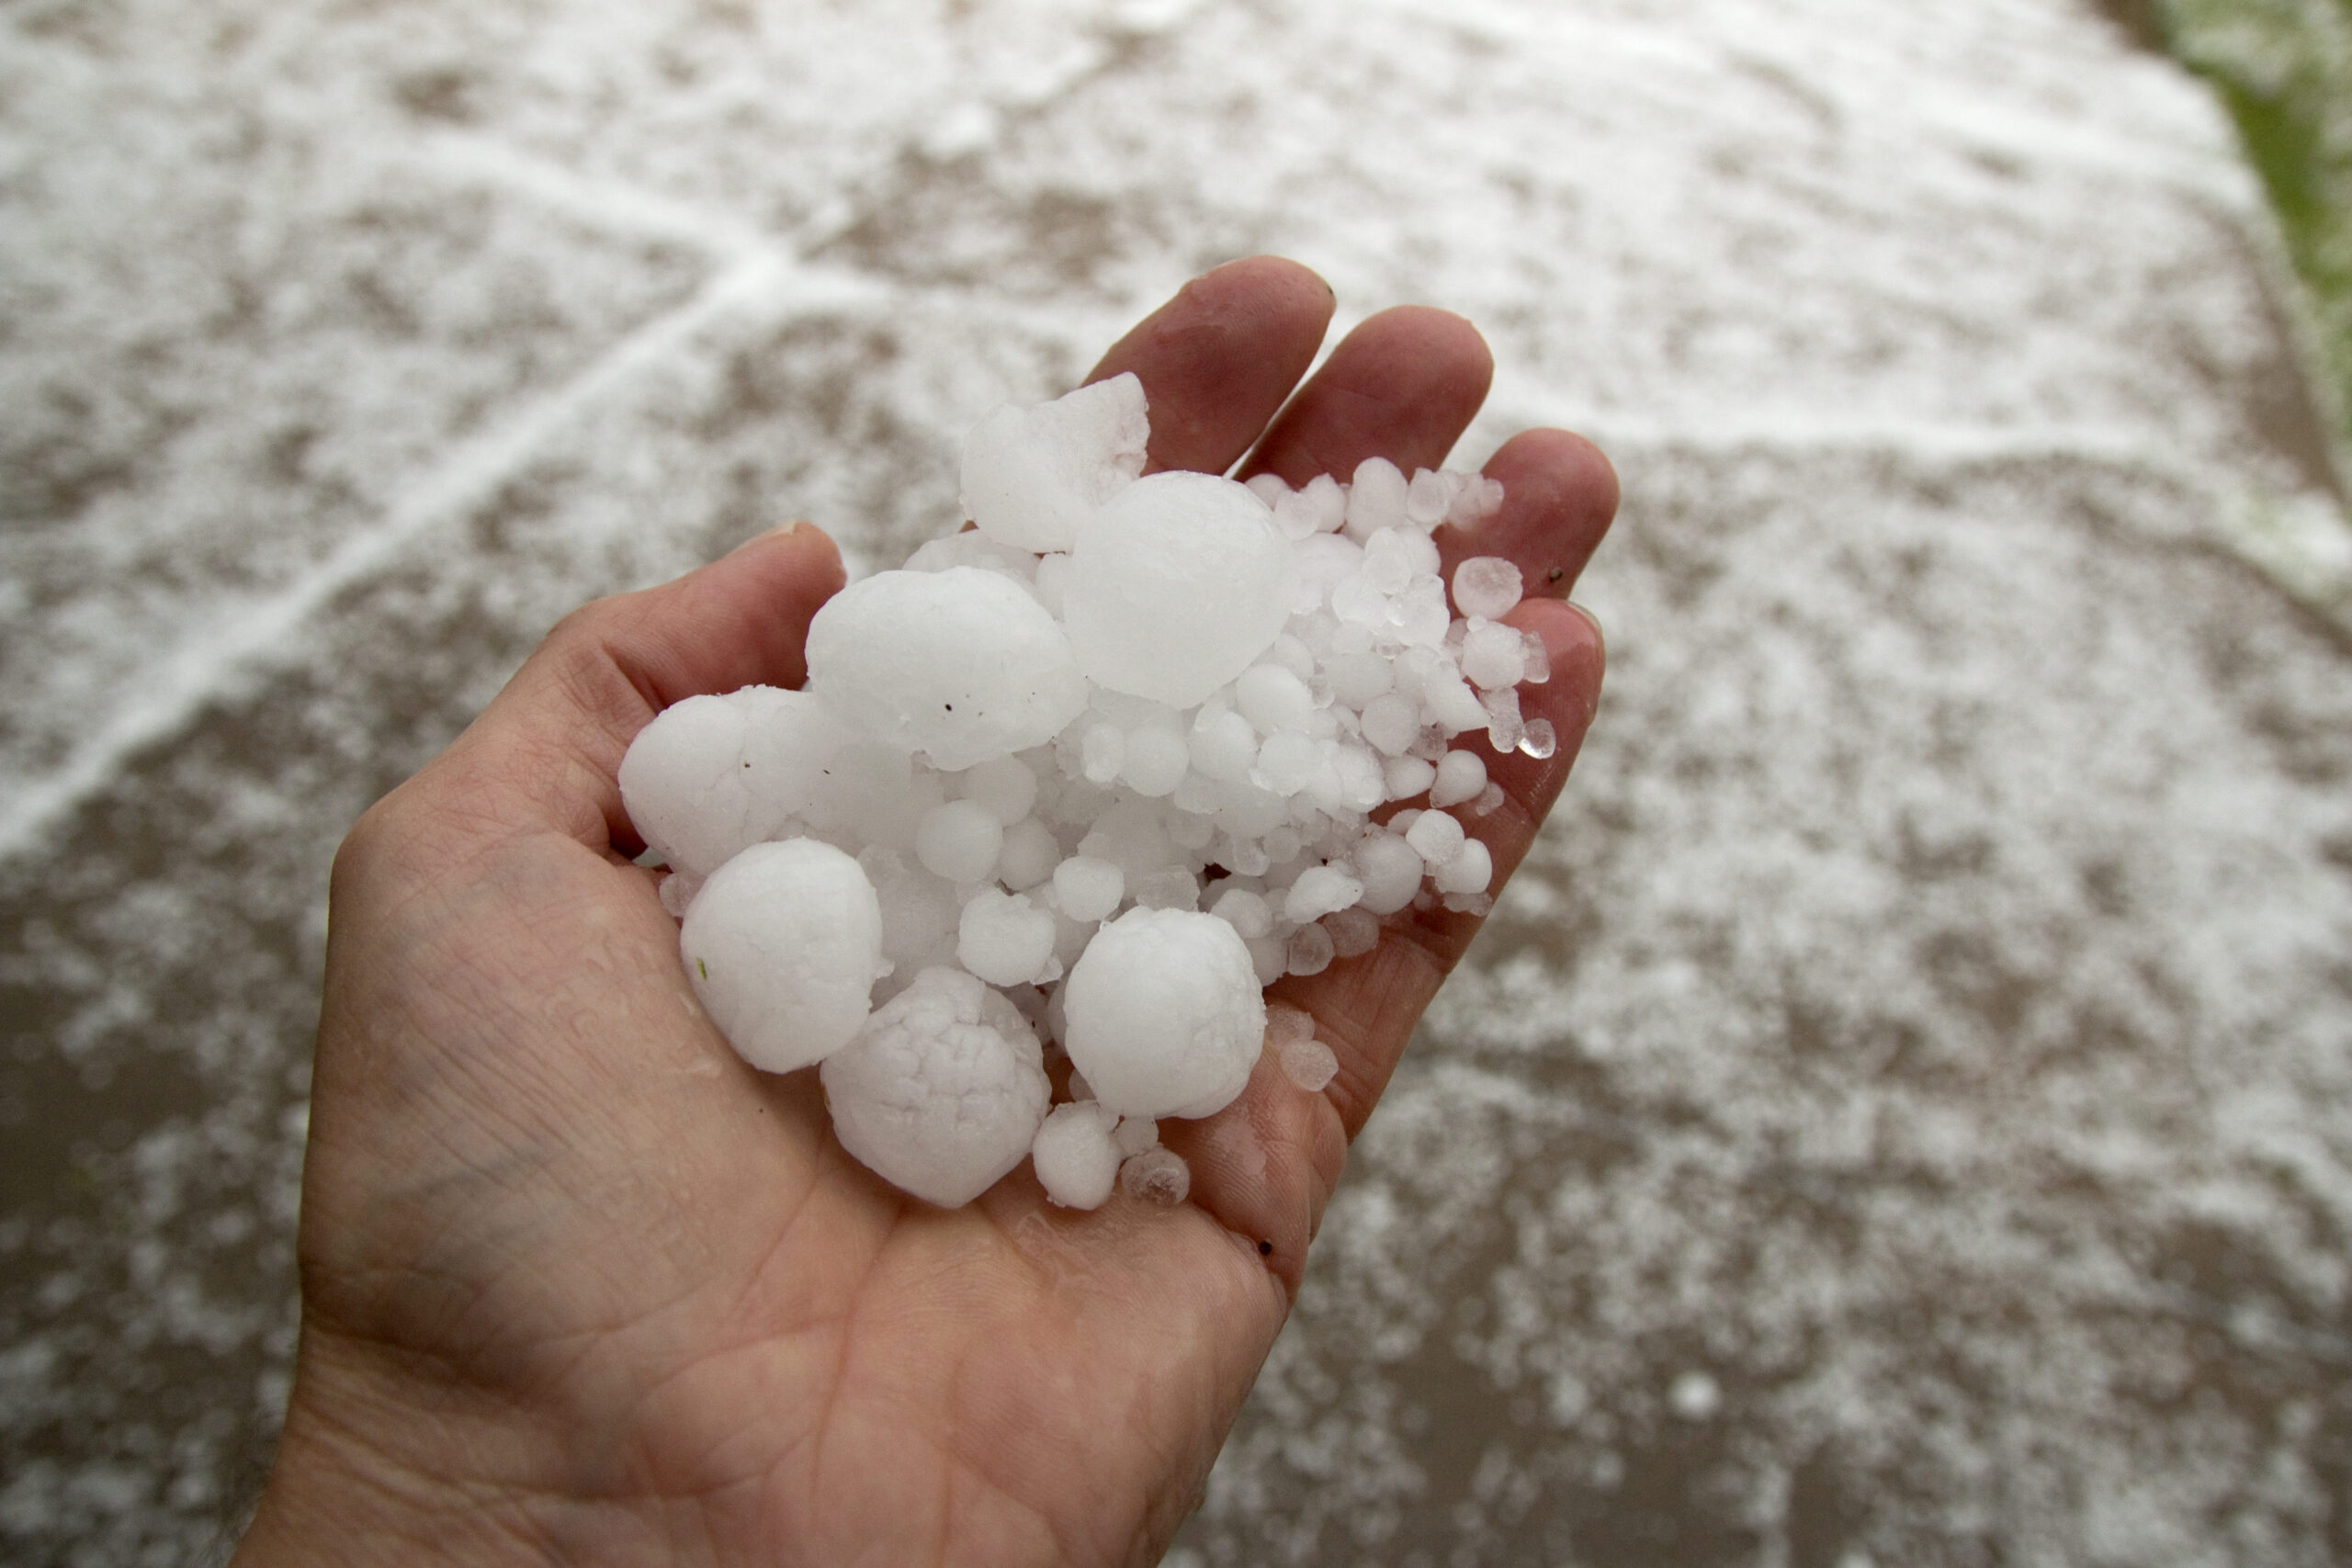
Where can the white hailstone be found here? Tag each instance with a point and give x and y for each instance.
(1269, 958)
(1103, 751)
(1309, 1064)
(1427, 498)
(1461, 775)
(1176, 587)
(1375, 498)
(1004, 784)
(1155, 762)
(1537, 659)
(1391, 562)
(1268, 487)
(782, 945)
(959, 841)
(1133, 835)
(1357, 677)
(1187, 831)
(1407, 776)
(1318, 566)
(1165, 1015)
(1363, 781)
(1245, 911)
(1452, 706)
(1285, 1024)
(962, 665)
(1354, 931)
(1030, 854)
(1089, 888)
(1295, 514)
(1076, 1155)
(1288, 763)
(1393, 722)
(942, 1091)
(1033, 476)
(1494, 655)
(1505, 727)
(1311, 950)
(973, 549)
(1487, 586)
(1318, 891)
(1222, 745)
(1468, 872)
(1437, 835)
(1053, 576)
(919, 913)
(1135, 1134)
(1157, 1175)
(1171, 888)
(1489, 798)
(1273, 698)
(712, 775)
(1006, 939)
(1539, 739)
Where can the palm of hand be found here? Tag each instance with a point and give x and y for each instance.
(577, 1281)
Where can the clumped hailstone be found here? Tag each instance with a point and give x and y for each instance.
(1098, 769)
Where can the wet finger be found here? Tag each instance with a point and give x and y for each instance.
(1404, 385)
(1217, 360)
(1559, 496)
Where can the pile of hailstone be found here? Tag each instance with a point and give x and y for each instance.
(1097, 770)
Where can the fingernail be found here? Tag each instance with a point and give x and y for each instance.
(1591, 620)
(766, 533)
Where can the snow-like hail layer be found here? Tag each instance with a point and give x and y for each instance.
(1104, 764)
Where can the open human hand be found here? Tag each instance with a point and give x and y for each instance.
(578, 1285)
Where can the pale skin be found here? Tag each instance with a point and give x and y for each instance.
(579, 1285)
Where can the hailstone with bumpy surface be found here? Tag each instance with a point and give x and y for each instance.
(943, 1089)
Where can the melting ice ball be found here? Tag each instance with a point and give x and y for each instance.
(1033, 476)
(943, 1090)
(1176, 587)
(963, 664)
(713, 775)
(1165, 1017)
(783, 944)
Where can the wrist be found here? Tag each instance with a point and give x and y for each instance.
(367, 1473)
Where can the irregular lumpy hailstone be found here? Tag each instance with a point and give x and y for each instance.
(1033, 476)
(943, 1090)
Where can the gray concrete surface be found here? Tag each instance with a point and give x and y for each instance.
(1900, 1114)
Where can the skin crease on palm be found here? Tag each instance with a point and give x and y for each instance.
(579, 1285)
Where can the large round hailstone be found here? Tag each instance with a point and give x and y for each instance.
(1176, 586)
(943, 1090)
(692, 786)
(963, 664)
(1032, 475)
(782, 945)
(1165, 1016)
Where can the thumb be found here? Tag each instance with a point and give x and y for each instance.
(546, 754)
